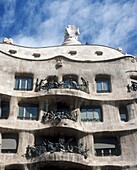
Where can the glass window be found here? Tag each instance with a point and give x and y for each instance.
(23, 83)
(123, 113)
(103, 84)
(28, 112)
(106, 146)
(91, 114)
(4, 110)
(9, 143)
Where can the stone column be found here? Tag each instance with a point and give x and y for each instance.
(41, 109)
(14, 109)
(89, 140)
(25, 139)
(131, 111)
(110, 113)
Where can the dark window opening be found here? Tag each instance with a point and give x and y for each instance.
(106, 146)
(4, 110)
(123, 113)
(9, 143)
(62, 109)
(111, 168)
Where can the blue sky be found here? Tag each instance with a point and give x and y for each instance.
(41, 23)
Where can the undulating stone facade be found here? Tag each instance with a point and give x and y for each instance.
(67, 107)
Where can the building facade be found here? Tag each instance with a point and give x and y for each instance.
(67, 107)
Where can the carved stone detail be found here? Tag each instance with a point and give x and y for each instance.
(71, 35)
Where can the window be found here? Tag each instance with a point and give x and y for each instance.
(28, 112)
(4, 110)
(23, 83)
(103, 84)
(9, 143)
(123, 113)
(106, 146)
(91, 114)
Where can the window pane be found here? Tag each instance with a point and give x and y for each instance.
(27, 112)
(17, 81)
(83, 114)
(105, 85)
(23, 84)
(123, 116)
(21, 112)
(29, 84)
(97, 114)
(99, 86)
(4, 110)
(90, 114)
(34, 112)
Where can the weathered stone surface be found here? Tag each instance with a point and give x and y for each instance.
(85, 63)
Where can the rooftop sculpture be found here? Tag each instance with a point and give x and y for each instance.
(71, 35)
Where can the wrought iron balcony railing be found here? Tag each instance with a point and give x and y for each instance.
(60, 146)
(55, 117)
(45, 84)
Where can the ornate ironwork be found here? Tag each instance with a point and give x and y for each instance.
(60, 146)
(46, 84)
(133, 87)
(56, 117)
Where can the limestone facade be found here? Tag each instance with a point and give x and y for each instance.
(87, 94)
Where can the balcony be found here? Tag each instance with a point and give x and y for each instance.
(69, 82)
(53, 145)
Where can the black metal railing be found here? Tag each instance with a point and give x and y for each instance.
(132, 87)
(60, 146)
(45, 84)
(55, 117)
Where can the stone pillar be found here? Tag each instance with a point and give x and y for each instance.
(60, 79)
(129, 147)
(13, 110)
(110, 113)
(131, 111)
(25, 139)
(90, 144)
(41, 109)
